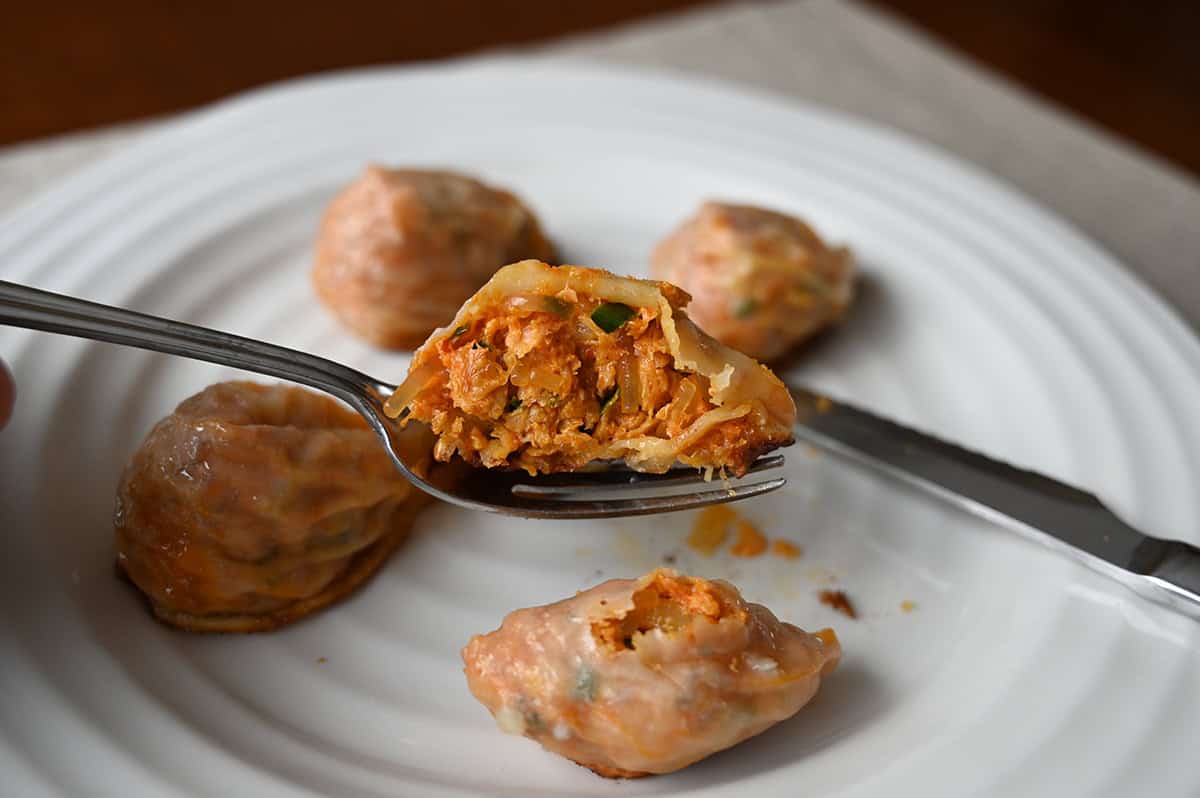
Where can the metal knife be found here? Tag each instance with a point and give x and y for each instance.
(1057, 515)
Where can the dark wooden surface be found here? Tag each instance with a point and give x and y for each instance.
(78, 63)
(1133, 67)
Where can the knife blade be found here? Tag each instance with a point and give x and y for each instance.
(1061, 516)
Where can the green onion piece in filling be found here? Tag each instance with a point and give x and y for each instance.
(458, 331)
(608, 401)
(612, 315)
(558, 307)
(585, 684)
(747, 307)
(513, 404)
(481, 344)
(529, 713)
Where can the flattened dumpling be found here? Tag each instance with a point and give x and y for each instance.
(635, 677)
(251, 506)
(761, 281)
(400, 249)
(549, 368)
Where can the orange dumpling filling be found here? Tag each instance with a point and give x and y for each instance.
(550, 368)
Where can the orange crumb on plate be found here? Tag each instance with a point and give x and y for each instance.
(908, 606)
(782, 547)
(838, 600)
(750, 542)
(824, 405)
(711, 529)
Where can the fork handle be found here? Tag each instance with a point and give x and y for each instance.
(32, 308)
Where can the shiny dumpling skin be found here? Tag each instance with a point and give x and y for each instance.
(398, 250)
(251, 506)
(761, 281)
(580, 678)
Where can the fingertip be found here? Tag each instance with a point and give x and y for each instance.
(8, 394)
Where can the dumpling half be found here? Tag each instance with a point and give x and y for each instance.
(549, 368)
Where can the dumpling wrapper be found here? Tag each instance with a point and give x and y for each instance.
(252, 506)
(635, 677)
(400, 249)
(761, 281)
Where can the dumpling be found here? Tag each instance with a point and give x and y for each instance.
(635, 677)
(549, 368)
(252, 506)
(400, 249)
(761, 281)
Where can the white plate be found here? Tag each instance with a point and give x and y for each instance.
(984, 318)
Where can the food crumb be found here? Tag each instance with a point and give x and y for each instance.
(838, 600)
(782, 547)
(750, 542)
(711, 529)
(669, 559)
(907, 606)
(824, 405)
(811, 451)
(322, 660)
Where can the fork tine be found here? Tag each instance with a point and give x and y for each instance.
(645, 505)
(493, 491)
(562, 486)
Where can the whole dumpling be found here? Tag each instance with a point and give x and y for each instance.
(400, 249)
(761, 281)
(635, 677)
(251, 506)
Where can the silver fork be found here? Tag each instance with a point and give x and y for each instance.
(605, 493)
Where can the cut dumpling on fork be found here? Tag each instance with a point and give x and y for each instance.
(548, 368)
(635, 677)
